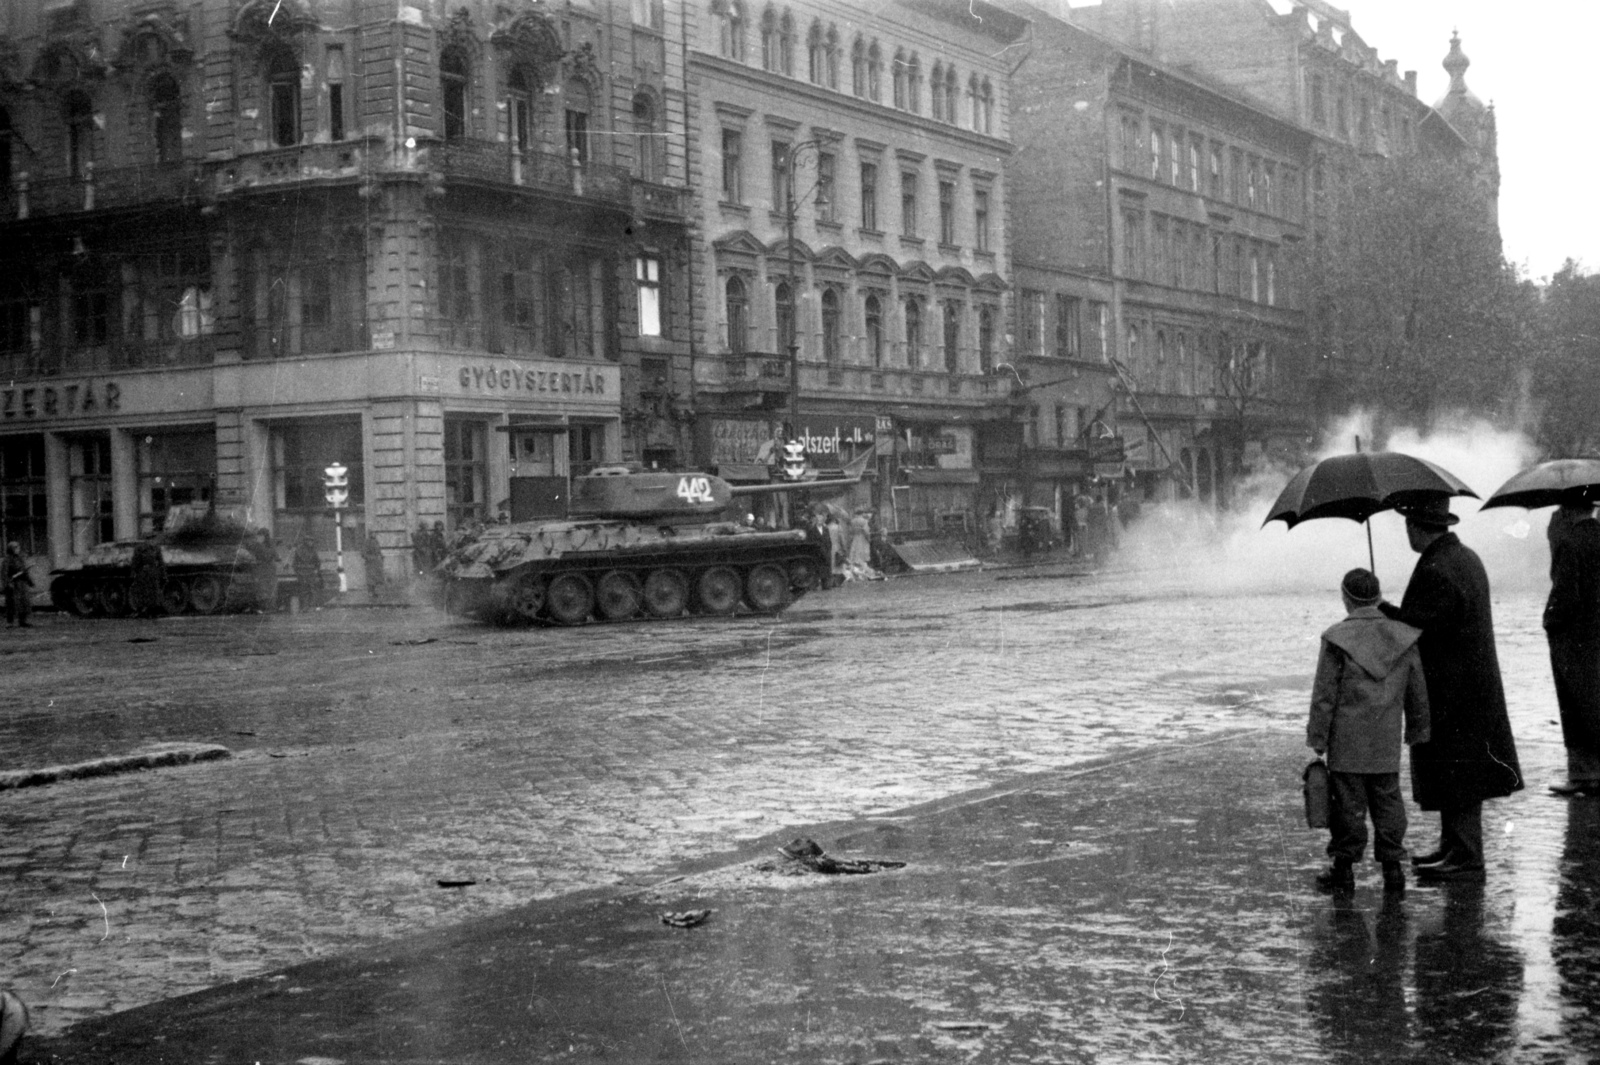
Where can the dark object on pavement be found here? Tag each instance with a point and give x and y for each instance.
(456, 883)
(1314, 784)
(806, 852)
(13, 1025)
(1360, 485)
(636, 545)
(685, 918)
(1549, 484)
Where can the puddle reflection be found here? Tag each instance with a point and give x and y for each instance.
(1576, 929)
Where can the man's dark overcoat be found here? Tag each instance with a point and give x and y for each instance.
(1572, 624)
(1470, 754)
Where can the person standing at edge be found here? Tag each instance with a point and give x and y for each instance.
(1572, 626)
(1470, 755)
(19, 586)
(1369, 694)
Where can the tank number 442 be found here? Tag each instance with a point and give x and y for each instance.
(695, 489)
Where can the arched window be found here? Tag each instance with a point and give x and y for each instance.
(730, 25)
(914, 85)
(830, 326)
(783, 305)
(874, 321)
(283, 96)
(952, 337)
(875, 73)
(166, 116)
(816, 60)
(738, 316)
(831, 46)
(899, 75)
(936, 102)
(1133, 349)
(453, 71)
(80, 132)
(769, 39)
(858, 68)
(987, 125)
(986, 340)
(1185, 373)
(913, 332)
(520, 101)
(576, 93)
(644, 128)
(1161, 361)
(952, 95)
(786, 45)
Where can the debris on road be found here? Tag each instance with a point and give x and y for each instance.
(685, 918)
(154, 757)
(449, 882)
(804, 854)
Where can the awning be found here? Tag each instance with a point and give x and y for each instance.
(744, 472)
(935, 556)
(932, 476)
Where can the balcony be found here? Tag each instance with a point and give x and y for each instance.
(660, 203)
(298, 163)
(495, 163)
(106, 188)
(818, 379)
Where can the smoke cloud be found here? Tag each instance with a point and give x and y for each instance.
(1188, 547)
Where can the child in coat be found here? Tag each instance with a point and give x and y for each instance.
(1369, 687)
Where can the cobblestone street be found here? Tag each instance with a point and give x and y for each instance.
(379, 751)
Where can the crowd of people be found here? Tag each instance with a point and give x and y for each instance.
(1425, 674)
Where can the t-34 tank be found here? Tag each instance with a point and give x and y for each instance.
(636, 544)
(210, 557)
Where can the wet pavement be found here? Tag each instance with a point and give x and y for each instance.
(378, 752)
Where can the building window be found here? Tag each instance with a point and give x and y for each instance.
(306, 300)
(80, 133)
(1319, 113)
(466, 472)
(581, 306)
(986, 316)
(858, 68)
(873, 308)
(1195, 145)
(908, 203)
(730, 26)
(1032, 312)
(830, 326)
(780, 176)
(783, 306)
(947, 212)
(936, 93)
(914, 332)
(453, 75)
(1253, 186)
(175, 469)
(831, 57)
(647, 137)
(952, 94)
(1069, 340)
(1156, 142)
(1216, 171)
(577, 120)
(522, 280)
(875, 73)
(1255, 275)
(769, 40)
(1341, 104)
(825, 198)
(166, 113)
(786, 45)
(980, 220)
(1174, 150)
(586, 447)
(732, 166)
(336, 92)
(986, 109)
(738, 302)
(283, 96)
(1100, 314)
(1158, 249)
(89, 485)
(171, 290)
(1236, 175)
(92, 292)
(952, 337)
(24, 517)
(914, 85)
(899, 75)
(300, 452)
(869, 196)
(520, 105)
(648, 13)
(1272, 277)
(647, 281)
(816, 57)
(1132, 244)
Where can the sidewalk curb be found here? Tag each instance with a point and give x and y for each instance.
(156, 757)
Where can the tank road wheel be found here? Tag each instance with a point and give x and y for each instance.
(571, 598)
(84, 599)
(113, 598)
(206, 593)
(619, 596)
(666, 593)
(766, 589)
(804, 574)
(719, 590)
(174, 597)
(526, 596)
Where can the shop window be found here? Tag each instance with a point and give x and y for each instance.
(89, 487)
(466, 472)
(175, 469)
(453, 77)
(647, 282)
(586, 448)
(283, 96)
(300, 452)
(24, 516)
(738, 316)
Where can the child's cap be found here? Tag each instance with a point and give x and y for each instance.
(1361, 586)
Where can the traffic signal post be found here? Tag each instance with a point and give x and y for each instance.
(336, 489)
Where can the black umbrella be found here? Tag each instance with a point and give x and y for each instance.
(1360, 485)
(1549, 484)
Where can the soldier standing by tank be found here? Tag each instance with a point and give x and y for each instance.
(265, 569)
(372, 560)
(422, 559)
(149, 573)
(308, 571)
(19, 587)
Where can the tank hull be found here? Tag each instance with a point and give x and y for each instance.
(572, 573)
(198, 580)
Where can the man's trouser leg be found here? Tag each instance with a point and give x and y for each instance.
(1347, 815)
(1461, 828)
(1388, 816)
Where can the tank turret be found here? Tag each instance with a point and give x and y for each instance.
(637, 496)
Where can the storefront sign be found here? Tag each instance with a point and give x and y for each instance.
(941, 445)
(60, 401)
(833, 442)
(491, 377)
(739, 440)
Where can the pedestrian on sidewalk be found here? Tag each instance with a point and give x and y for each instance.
(1572, 627)
(19, 587)
(1470, 755)
(1368, 697)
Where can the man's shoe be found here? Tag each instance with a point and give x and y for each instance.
(1337, 877)
(1451, 871)
(1394, 878)
(1433, 857)
(1575, 788)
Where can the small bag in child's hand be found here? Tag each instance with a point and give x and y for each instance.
(1315, 785)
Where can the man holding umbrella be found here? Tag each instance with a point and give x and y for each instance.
(1470, 755)
(1572, 625)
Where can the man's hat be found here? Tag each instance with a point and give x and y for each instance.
(1429, 511)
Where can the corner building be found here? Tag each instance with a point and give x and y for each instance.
(886, 126)
(243, 239)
